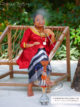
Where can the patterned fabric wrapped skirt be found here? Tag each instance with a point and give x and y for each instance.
(35, 67)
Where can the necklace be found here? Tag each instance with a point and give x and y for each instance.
(41, 33)
(44, 42)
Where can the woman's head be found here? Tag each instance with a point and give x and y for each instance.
(39, 20)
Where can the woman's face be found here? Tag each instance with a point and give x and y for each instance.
(39, 21)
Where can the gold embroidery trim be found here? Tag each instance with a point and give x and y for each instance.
(34, 30)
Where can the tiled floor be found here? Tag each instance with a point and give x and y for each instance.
(17, 96)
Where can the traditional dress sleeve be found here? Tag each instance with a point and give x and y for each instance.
(25, 38)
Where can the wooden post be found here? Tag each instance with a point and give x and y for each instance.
(68, 54)
(10, 53)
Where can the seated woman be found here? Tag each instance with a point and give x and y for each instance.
(37, 43)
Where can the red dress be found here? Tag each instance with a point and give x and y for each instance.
(31, 36)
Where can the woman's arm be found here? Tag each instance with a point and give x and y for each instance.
(25, 38)
(51, 39)
(24, 42)
(30, 45)
(50, 32)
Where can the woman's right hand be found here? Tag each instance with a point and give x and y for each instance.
(31, 45)
(36, 43)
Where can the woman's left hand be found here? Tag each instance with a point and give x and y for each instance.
(50, 32)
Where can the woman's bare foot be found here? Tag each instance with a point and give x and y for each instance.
(30, 91)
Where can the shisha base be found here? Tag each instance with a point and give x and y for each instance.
(44, 99)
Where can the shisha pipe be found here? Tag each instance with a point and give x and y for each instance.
(44, 100)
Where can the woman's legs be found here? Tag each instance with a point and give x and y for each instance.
(47, 78)
(30, 91)
(35, 67)
(30, 85)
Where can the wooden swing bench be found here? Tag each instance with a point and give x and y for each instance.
(10, 50)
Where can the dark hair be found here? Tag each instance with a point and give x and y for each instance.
(36, 15)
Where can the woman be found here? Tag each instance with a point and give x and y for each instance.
(36, 47)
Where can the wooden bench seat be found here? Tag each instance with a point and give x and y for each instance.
(12, 38)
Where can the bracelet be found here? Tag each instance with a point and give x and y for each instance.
(24, 45)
